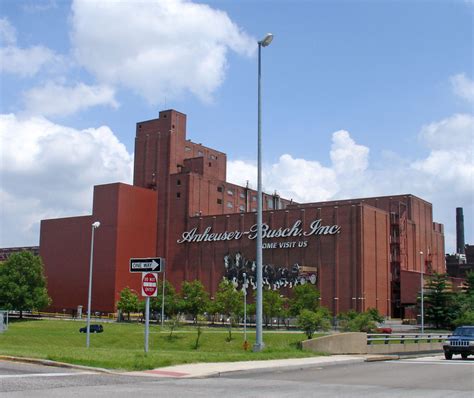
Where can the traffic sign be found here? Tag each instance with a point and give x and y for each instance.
(155, 264)
(149, 284)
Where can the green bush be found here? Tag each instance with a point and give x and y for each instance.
(310, 321)
(465, 319)
(353, 321)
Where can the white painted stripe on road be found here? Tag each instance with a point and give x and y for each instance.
(45, 375)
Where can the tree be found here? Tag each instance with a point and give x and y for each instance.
(229, 302)
(273, 305)
(464, 303)
(469, 283)
(200, 320)
(173, 323)
(128, 301)
(438, 301)
(304, 297)
(194, 299)
(375, 315)
(171, 300)
(310, 321)
(22, 283)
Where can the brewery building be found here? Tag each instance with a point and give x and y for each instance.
(360, 253)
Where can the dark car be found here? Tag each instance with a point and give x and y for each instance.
(93, 329)
(460, 342)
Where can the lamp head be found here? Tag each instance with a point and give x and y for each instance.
(266, 40)
(96, 224)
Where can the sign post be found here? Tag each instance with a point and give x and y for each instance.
(149, 268)
(163, 293)
(149, 264)
(149, 289)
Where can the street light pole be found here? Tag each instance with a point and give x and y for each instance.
(245, 307)
(259, 345)
(95, 225)
(422, 294)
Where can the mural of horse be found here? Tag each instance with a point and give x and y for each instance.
(273, 277)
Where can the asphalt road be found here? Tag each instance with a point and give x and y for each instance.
(423, 377)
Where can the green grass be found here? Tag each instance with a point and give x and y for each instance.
(121, 346)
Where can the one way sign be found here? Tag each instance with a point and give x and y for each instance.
(147, 264)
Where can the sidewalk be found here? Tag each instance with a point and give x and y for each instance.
(197, 370)
(215, 369)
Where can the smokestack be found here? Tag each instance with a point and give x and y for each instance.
(459, 231)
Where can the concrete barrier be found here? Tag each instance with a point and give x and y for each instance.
(403, 348)
(342, 343)
(356, 343)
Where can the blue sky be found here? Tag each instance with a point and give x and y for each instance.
(360, 98)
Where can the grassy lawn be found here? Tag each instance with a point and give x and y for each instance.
(121, 346)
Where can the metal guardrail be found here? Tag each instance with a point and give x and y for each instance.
(404, 338)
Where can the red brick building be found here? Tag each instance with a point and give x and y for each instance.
(360, 253)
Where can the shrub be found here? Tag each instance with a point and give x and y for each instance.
(352, 321)
(310, 321)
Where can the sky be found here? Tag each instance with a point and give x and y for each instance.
(359, 98)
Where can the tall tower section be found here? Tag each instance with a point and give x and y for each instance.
(159, 149)
(159, 153)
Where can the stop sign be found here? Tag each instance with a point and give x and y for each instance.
(149, 282)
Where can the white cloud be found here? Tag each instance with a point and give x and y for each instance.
(452, 133)
(7, 32)
(445, 177)
(48, 170)
(301, 180)
(451, 158)
(463, 87)
(54, 99)
(346, 155)
(25, 62)
(156, 48)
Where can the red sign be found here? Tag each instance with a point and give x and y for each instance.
(149, 284)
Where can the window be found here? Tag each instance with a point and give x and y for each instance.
(213, 157)
(230, 205)
(178, 194)
(219, 189)
(270, 203)
(178, 182)
(254, 209)
(230, 192)
(210, 164)
(187, 148)
(254, 198)
(200, 153)
(242, 208)
(242, 195)
(219, 201)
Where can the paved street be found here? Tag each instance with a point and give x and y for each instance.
(423, 377)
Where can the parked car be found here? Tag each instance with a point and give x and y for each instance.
(93, 329)
(460, 342)
(383, 330)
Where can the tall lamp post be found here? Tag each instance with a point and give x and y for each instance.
(95, 225)
(245, 307)
(422, 320)
(259, 345)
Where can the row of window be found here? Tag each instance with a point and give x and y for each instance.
(200, 153)
(230, 192)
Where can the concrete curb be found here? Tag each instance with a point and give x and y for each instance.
(203, 370)
(47, 362)
(271, 369)
(219, 369)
